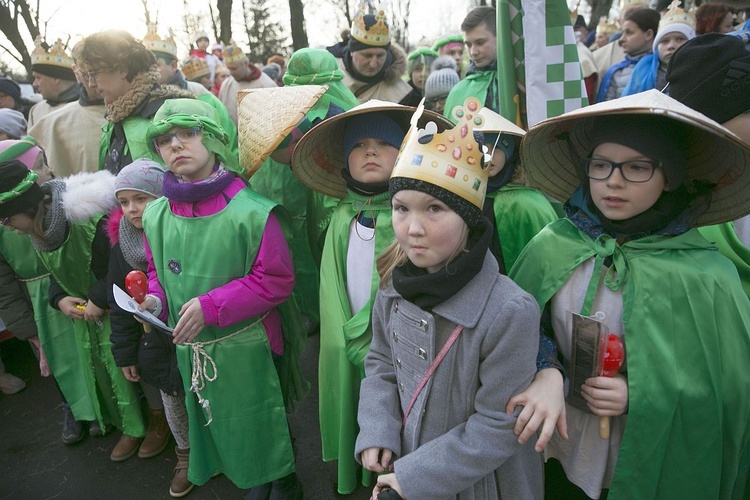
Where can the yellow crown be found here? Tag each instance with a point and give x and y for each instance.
(605, 27)
(451, 159)
(675, 15)
(195, 68)
(625, 4)
(55, 57)
(378, 35)
(154, 43)
(232, 53)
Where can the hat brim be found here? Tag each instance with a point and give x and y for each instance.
(551, 152)
(267, 115)
(495, 123)
(319, 155)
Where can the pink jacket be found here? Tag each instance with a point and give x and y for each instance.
(269, 283)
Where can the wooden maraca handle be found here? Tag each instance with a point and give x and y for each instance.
(604, 427)
(146, 328)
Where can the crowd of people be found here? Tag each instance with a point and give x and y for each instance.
(562, 311)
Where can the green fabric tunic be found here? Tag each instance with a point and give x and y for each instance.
(55, 330)
(520, 213)
(115, 401)
(344, 337)
(686, 322)
(135, 128)
(474, 85)
(730, 246)
(247, 438)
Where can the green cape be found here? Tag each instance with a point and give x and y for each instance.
(730, 246)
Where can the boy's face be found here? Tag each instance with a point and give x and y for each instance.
(185, 155)
(371, 160)
(418, 76)
(133, 204)
(166, 69)
(482, 45)
(617, 198)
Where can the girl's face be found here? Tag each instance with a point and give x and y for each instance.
(727, 24)
(498, 162)
(185, 155)
(634, 39)
(41, 168)
(371, 160)
(20, 223)
(133, 204)
(668, 44)
(617, 198)
(427, 230)
(418, 76)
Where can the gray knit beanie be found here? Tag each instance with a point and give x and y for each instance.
(12, 123)
(442, 79)
(143, 175)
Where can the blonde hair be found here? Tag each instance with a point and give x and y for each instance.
(37, 217)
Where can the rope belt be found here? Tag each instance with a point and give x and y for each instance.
(202, 361)
(35, 279)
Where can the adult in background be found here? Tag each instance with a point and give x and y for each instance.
(126, 75)
(10, 96)
(243, 76)
(53, 78)
(371, 63)
(714, 17)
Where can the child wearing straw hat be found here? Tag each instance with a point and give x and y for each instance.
(452, 338)
(639, 176)
(221, 274)
(350, 157)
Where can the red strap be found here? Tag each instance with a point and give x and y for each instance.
(430, 371)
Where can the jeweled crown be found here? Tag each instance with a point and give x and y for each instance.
(675, 15)
(232, 53)
(378, 35)
(55, 57)
(451, 159)
(154, 42)
(195, 68)
(605, 27)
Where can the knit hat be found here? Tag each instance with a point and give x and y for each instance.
(24, 150)
(11, 88)
(12, 123)
(448, 41)
(18, 188)
(273, 70)
(375, 125)
(675, 20)
(369, 31)
(423, 56)
(442, 79)
(457, 174)
(711, 74)
(143, 175)
(55, 63)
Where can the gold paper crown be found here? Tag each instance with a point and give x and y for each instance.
(625, 4)
(675, 15)
(574, 13)
(154, 43)
(605, 27)
(378, 35)
(195, 68)
(232, 53)
(55, 57)
(451, 159)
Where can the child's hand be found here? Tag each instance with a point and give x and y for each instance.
(191, 322)
(93, 312)
(606, 396)
(376, 459)
(149, 304)
(131, 373)
(385, 482)
(67, 306)
(544, 405)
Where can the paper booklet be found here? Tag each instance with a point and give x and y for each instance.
(128, 304)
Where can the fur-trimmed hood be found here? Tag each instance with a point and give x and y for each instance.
(398, 66)
(87, 194)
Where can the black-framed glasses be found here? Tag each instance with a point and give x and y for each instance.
(600, 169)
(183, 136)
(432, 103)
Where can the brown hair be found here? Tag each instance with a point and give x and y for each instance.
(114, 49)
(480, 15)
(645, 19)
(709, 16)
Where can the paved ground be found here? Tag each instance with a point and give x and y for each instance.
(34, 464)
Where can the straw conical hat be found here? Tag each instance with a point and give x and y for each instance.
(552, 150)
(319, 155)
(495, 123)
(267, 115)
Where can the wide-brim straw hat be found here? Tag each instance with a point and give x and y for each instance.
(552, 151)
(497, 124)
(267, 115)
(319, 155)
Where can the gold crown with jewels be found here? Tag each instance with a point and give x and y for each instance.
(55, 57)
(605, 27)
(232, 53)
(378, 35)
(675, 15)
(154, 43)
(195, 68)
(451, 159)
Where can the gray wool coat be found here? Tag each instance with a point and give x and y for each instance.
(458, 441)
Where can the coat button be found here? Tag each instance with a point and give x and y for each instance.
(423, 324)
(395, 307)
(422, 353)
(398, 362)
(395, 336)
(401, 387)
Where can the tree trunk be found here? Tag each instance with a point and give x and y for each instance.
(297, 19)
(11, 13)
(225, 20)
(599, 8)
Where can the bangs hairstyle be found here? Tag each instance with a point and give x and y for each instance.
(114, 50)
(483, 15)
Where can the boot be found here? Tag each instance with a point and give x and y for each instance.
(125, 448)
(10, 384)
(157, 435)
(72, 430)
(180, 485)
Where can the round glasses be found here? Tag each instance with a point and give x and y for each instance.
(600, 169)
(183, 136)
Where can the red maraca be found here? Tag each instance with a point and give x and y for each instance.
(136, 283)
(611, 358)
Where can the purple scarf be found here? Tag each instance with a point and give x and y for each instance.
(176, 189)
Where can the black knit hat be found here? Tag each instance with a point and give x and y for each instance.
(711, 74)
(11, 88)
(18, 188)
(54, 71)
(470, 213)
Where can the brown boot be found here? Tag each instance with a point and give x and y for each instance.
(180, 485)
(157, 435)
(125, 448)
